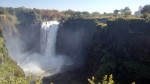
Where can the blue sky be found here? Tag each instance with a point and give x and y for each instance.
(77, 5)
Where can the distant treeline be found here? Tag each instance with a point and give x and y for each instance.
(44, 15)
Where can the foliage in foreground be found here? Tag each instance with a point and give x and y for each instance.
(22, 80)
(17, 80)
(105, 80)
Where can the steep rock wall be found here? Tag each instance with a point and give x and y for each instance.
(74, 37)
(122, 48)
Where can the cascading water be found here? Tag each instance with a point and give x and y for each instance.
(45, 63)
(48, 37)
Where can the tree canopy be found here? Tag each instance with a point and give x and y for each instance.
(116, 12)
(1, 10)
(145, 9)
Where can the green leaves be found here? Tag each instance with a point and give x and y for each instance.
(145, 9)
(105, 80)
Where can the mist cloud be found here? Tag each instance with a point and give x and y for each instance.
(38, 64)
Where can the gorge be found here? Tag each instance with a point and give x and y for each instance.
(68, 50)
(41, 63)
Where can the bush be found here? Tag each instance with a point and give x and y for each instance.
(105, 80)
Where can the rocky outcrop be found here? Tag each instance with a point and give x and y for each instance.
(74, 37)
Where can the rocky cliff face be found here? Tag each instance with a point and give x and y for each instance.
(74, 37)
(30, 36)
(122, 49)
(29, 30)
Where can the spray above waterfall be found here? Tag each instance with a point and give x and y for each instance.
(46, 62)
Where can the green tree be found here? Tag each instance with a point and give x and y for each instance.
(1, 10)
(138, 13)
(146, 16)
(121, 11)
(146, 8)
(11, 10)
(116, 12)
(95, 14)
(86, 14)
(127, 13)
(125, 10)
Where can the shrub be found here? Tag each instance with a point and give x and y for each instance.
(105, 80)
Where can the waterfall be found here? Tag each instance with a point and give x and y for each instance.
(39, 64)
(48, 37)
(47, 62)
